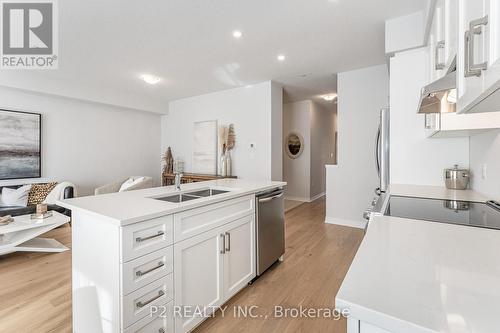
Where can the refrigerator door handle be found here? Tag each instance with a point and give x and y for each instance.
(377, 150)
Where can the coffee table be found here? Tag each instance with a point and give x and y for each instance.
(21, 235)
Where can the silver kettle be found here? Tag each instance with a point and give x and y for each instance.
(456, 179)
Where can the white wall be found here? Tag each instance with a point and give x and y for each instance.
(322, 145)
(297, 172)
(276, 132)
(350, 184)
(250, 109)
(485, 150)
(90, 144)
(416, 159)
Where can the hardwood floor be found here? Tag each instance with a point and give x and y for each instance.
(317, 258)
(35, 288)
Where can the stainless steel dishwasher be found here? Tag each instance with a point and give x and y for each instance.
(270, 228)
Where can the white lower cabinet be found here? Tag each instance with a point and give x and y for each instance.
(136, 278)
(239, 259)
(210, 268)
(159, 322)
(358, 326)
(198, 276)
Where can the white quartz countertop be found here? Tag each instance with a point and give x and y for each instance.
(435, 192)
(130, 207)
(414, 276)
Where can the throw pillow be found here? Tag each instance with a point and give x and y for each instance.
(130, 183)
(39, 192)
(16, 197)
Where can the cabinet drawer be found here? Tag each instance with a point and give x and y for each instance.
(196, 221)
(136, 305)
(141, 271)
(160, 322)
(145, 237)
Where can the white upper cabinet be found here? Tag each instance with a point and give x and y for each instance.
(478, 66)
(451, 30)
(437, 43)
(492, 48)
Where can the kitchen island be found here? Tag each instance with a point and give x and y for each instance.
(161, 260)
(416, 276)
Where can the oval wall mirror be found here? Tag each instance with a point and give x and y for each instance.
(294, 145)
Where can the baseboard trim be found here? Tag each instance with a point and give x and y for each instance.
(301, 199)
(304, 199)
(317, 196)
(345, 222)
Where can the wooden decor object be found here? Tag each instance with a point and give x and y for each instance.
(169, 178)
(169, 161)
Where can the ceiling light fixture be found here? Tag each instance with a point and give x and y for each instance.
(151, 79)
(281, 57)
(237, 34)
(329, 97)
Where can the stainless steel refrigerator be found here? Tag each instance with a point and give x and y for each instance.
(382, 151)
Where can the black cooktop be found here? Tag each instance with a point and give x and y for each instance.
(474, 214)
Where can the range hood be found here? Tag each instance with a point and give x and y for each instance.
(440, 95)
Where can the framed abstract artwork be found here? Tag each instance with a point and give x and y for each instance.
(20, 145)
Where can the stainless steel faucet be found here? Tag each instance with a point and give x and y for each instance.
(178, 178)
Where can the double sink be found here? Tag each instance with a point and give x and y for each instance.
(193, 195)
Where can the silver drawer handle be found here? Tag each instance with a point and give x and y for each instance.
(471, 68)
(143, 304)
(142, 239)
(223, 247)
(161, 330)
(141, 273)
(228, 238)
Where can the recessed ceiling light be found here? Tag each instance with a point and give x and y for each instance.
(151, 79)
(281, 57)
(329, 97)
(237, 34)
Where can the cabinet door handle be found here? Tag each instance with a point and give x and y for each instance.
(161, 330)
(471, 68)
(223, 247)
(439, 66)
(141, 273)
(141, 304)
(228, 246)
(142, 239)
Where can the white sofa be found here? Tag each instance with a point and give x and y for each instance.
(135, 183)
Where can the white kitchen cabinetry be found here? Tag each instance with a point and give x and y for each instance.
(198, 276)
(239, 259)
(449, 125)
(210, 268)
(198, 257)
(437, 43)
(442, 38)
(451, 30)
(119, 273)
(357, 326)
(478, 65)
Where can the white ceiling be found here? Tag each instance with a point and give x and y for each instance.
(106, 45)
(308, 86)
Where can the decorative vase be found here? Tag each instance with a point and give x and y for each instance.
(229, 170)
(223, 165)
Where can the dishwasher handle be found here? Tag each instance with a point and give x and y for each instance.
(263, 200)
